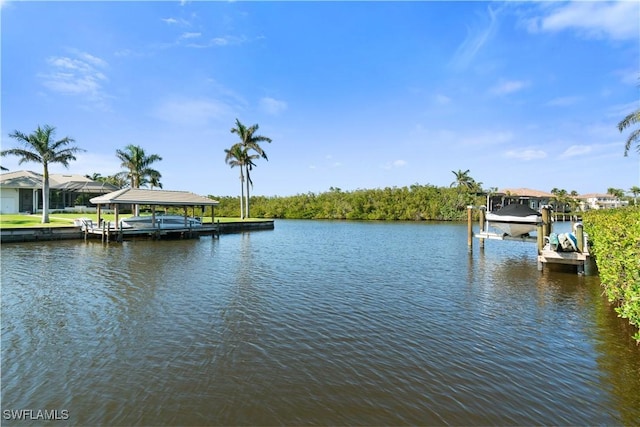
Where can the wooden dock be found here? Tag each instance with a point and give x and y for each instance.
(546, 255)
(549, 256)
(107, 232)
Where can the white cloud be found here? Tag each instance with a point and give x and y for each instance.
(88, 163)
(395, 164)
(79, 74)
(272, 106)
(442, 99)
(592, 19)
(525, 154)
(563, 101)
(509, 86)
(476, 40)
(488, 138)
(576, 150)
(192, 111)
(174, 21)
(185, 36)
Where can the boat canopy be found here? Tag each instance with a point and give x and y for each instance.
(516, 210)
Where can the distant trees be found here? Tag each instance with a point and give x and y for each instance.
(240, 154)
(115, 180)
(616, 192)
(563, 199)
(39, 147)
(413, 203)
(635, 191)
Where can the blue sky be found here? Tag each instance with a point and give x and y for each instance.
(353, 94)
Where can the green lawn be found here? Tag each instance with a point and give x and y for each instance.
(66, 219)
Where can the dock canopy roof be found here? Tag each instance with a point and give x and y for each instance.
(140, 196)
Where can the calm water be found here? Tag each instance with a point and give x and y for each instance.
(328, 323)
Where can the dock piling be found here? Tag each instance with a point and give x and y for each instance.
(469, 228)
(482, 221)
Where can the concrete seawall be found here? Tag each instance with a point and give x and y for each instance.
(33, 234)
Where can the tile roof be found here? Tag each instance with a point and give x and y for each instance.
(143, 196)
(525, 192)
(57, 181)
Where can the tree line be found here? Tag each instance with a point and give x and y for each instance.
(406, 203)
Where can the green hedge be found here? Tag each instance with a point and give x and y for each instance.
(414, 203)
(615, 239)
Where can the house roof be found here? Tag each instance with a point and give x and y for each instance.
(525, 192)
(69, 182)
(21, 179)
(141, 196)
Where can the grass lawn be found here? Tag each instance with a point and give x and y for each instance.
(66, 219)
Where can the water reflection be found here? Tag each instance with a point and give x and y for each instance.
(312, 323)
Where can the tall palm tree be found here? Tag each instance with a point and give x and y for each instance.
(249, 142)
(238, 156)
(634, 137)
(39, 147)
(138, 166)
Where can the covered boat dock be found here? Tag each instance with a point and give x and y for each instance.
(153, 198)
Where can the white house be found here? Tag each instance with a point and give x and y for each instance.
(21, 191)
(600, 201)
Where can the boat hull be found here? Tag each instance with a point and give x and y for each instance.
(513, 225)
(163, 222)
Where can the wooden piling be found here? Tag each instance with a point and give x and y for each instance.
(540, 238)
(546, 221)
(469, 227)
(483, 223)
(580, 237)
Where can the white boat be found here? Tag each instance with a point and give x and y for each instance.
(161, 221)
(514, 220)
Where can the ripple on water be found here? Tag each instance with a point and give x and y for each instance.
(313, 323)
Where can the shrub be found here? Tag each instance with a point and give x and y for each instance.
(615, 237)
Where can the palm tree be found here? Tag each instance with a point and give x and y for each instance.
(238, 156)
(617, 192)
(561, 198)
(153, 180)
(634, 137)
(138, 165)
(635, 190)
(39, 147)
(249, 142)
(95, 177)
(464, 181)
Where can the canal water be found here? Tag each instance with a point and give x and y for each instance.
(312, 323)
